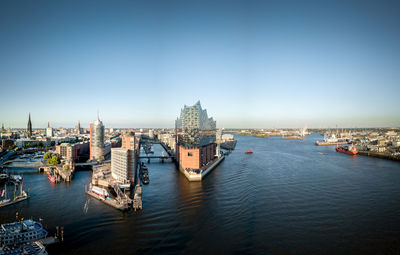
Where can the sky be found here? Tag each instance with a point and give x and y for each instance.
(252, 64)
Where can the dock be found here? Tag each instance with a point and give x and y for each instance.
(199, 174)
(58, 170)
(378, 155)
(112, 202)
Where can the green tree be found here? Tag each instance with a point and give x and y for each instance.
(54, 160)
(47, 155)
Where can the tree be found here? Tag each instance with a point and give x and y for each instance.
(47, 155)
(54, 160)
(66, 167)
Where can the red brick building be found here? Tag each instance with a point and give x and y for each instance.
(72, 151)
(195, 157)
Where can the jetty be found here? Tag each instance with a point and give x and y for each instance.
(58, 170)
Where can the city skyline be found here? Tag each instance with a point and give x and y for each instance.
(252, 65)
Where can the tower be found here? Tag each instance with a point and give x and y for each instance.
(29, 127)
(49, 130)
(97, 140)
(78, 128)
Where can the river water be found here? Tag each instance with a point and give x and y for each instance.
(288, 197)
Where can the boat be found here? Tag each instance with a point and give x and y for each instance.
(4, 194)
(17, 197)
(21, 232)
(228, 145)
(293, 137)
(145, 179)
(351, 149)
(3, 178)
(52, 178)
(331, 140)
(16, 177)
(35, 248)
(249, 151)
(100, 191)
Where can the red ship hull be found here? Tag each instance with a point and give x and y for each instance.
(248, 152)
(52, 179)
(341, 149)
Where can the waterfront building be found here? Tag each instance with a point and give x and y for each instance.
(29, 127)
(107, 148)
(73, 151)
(151, 133)
(194, 117)
(122, 165)
(49, 130)
(27, 142)
(197, 156)
(128, 141)
(97, 140)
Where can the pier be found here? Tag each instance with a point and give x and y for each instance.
(66, 175)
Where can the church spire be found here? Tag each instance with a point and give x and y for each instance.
(29, 127)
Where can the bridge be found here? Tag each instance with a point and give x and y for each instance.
(93, 163)
(159, 157)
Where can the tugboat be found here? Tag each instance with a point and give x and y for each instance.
(351, 150)
(249, 151)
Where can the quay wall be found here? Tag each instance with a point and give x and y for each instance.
(378, 155)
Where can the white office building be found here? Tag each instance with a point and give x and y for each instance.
(122, 164)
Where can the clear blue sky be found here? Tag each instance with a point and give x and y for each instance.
(250, 63)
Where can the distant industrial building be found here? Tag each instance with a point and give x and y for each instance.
(97, 140)
(194, 117)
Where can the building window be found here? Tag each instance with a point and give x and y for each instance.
(190, 154)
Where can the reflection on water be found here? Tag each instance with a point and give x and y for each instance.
(289, 197)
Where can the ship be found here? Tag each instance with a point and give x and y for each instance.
(228, 144)
(20, 232)
(34, 248)
(249, 151)
(145, 179)
(293, 137)
(100, 192)
(351, 150)
(52, 178)
(17, 197)
(332, 140)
